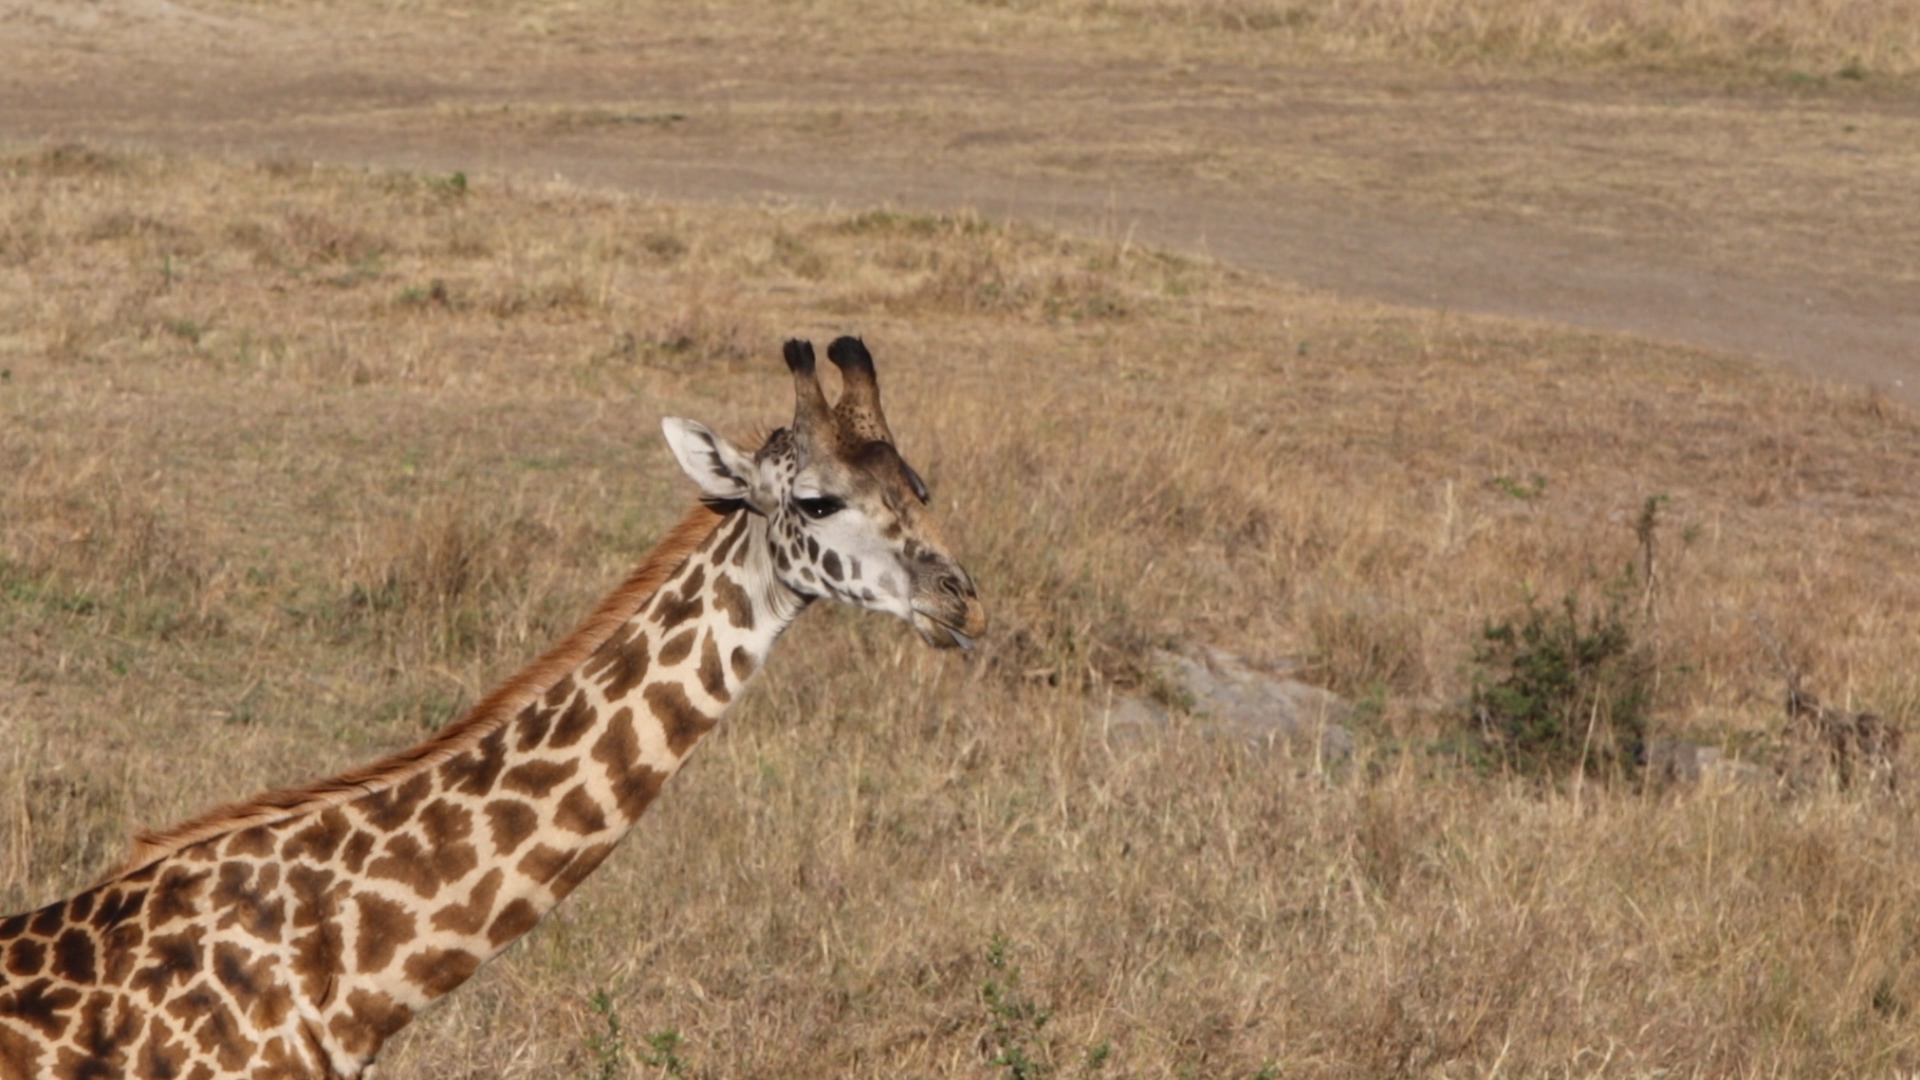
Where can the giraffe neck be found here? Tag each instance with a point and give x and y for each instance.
(309, 935)
(478, 848)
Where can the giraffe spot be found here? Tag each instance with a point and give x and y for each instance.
(318, 960)
(79, 907)
(712, 678)
(26, 957)
(280, 1060)
(319, 839)
(475, 771)
(221, 1037)
(248, 979)
(672, 609)
(39, 1005)
(511, 822)
(740, 555)
(407, 862)
(678, 648)
(853, 568)
(732, 599)
(538, 778)
(371, 1017)
(251, 904)
(578, 812)
(634, 784)
(447, 827)
(160, 1055)
(385, 925)
(831, 565)
(354, 855)
(438, 971)
(193, 1005)
(315, 897)
(780, 559)
(73, 957)
(532, 725)
(635, 789)
(444, 823)
(13, 926)
(543, 863)
(175, 896)
(170, 959)
(813, 550)
(119, 951)
(619, 745)
(585, 862)
(214, 1027)
(19, 1055)
(515, 919)
(682, 723)
(471, 917)
(49, 920)
(742, 663)
(117, 906)
(727, 538)
(618, 664)
(106, 1026)
(390, 808)
(579, 717)
(253, 843)
(560, 691)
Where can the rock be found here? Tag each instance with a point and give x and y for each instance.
(1684, 764)
(1129, 719)
(1235, 700)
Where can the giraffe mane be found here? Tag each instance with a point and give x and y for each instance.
(497, 708)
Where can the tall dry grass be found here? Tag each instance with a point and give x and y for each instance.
(298, 461)
(1853, 39)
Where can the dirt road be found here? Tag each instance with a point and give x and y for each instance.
(1774, 222)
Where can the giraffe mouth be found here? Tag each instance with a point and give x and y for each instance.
(940, 633)
(954, 625)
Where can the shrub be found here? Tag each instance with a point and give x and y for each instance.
(1562, 690)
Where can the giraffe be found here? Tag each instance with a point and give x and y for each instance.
(292, 934)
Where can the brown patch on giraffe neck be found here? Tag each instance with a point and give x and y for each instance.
(499, 708)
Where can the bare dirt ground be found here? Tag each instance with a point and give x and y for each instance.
(1770, 220)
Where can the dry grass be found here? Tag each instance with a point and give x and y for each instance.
(1850, 39)
(299, 461)
(1799, 40)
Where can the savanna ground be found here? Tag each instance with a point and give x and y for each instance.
(300, 459)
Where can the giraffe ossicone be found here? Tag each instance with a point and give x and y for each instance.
(292, 934)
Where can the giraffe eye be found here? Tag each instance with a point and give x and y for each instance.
(825, 506)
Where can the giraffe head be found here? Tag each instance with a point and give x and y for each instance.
(846, 515)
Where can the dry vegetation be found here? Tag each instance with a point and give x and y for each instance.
(296, 462)
(1851, 39)
(1798, 40)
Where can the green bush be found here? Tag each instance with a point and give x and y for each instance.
(1557, 691)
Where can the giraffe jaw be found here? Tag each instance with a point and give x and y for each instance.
(943, 631)
(938, 634)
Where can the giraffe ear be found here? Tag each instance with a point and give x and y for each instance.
(725, 475)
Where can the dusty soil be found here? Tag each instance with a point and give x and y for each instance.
(1767, 220)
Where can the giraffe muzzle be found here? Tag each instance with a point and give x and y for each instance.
(947, 610)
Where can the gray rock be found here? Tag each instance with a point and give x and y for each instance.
(1129, 719)
(1233, 699)
(1685, 764)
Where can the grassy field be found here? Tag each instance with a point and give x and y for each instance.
(1800, 40)
(299, 461)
